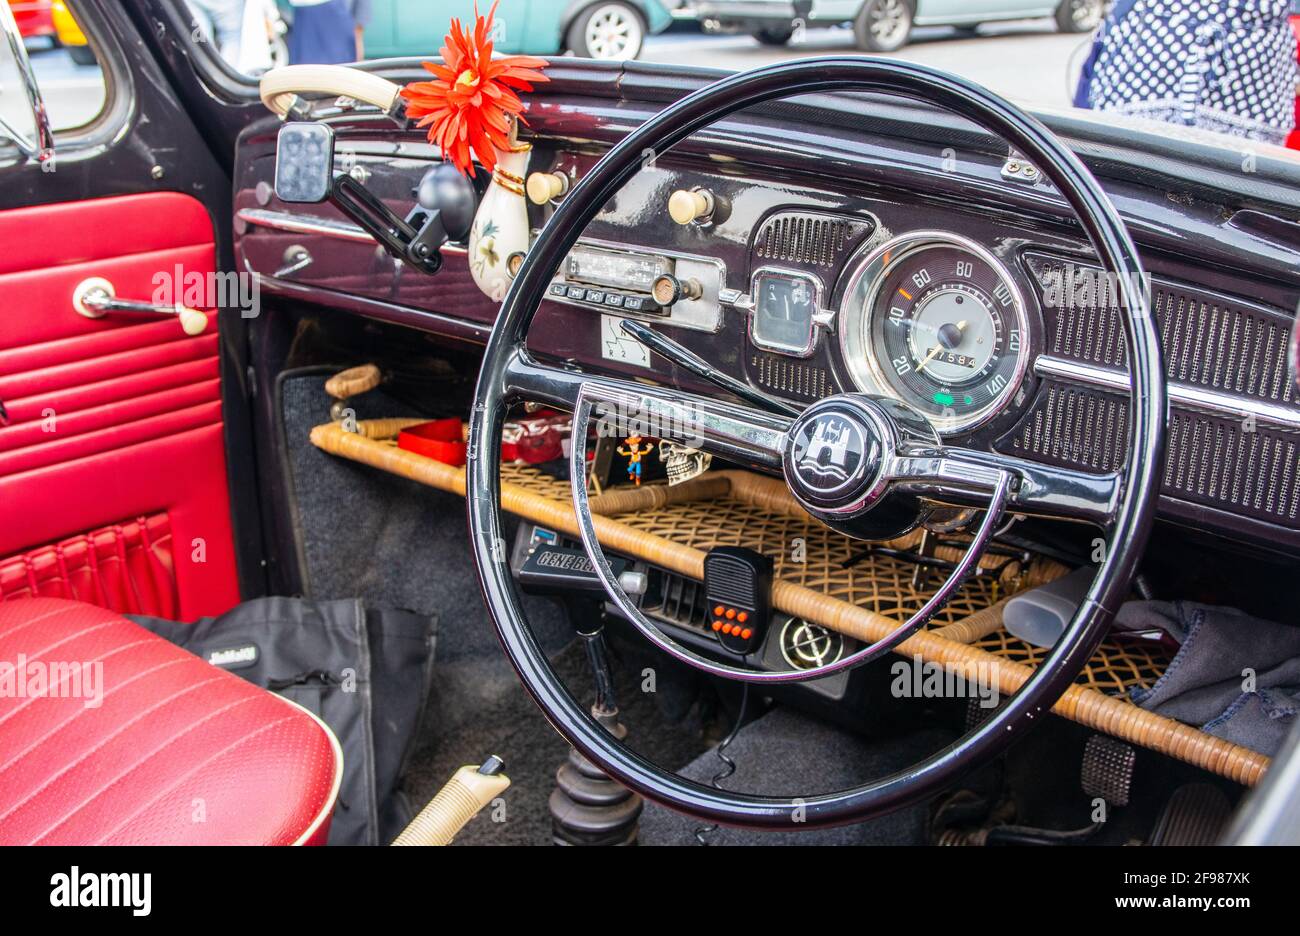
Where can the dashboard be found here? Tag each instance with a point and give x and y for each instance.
(800, 254)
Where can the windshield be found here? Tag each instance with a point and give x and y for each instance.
(1212, 70)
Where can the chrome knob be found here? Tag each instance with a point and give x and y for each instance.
(95, 297)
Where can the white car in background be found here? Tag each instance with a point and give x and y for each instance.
(886, 25)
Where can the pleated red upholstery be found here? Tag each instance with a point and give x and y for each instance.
(176, 752)
(119, 417)
(127, 567)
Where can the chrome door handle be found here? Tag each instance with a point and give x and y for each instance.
(296, 258)
(94, 298)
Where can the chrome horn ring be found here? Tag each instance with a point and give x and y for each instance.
(867, 486)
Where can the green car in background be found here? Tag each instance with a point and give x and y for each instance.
(599, 29)
(886, 25)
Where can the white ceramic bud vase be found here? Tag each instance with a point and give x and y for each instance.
(501, 222)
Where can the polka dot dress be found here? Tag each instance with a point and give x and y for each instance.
(1223, 65)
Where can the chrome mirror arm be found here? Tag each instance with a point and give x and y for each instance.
(42, 148)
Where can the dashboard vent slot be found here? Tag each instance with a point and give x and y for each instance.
(790, 378)
(1209, 340)
(677, 600)
(1211, 460)
(805, 239)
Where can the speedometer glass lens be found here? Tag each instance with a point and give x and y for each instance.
(938, 324)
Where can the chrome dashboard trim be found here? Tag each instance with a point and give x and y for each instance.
(1213, 401)
(323, 227)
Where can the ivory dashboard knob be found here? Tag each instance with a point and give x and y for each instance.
(687, 205)
(546, 186)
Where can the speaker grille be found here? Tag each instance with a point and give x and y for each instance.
(1212, 460)
(1209, 340)
(807, 239)
(1075, 427)
(790, 378)
(729, 580)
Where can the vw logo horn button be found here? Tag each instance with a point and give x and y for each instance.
(835, 455)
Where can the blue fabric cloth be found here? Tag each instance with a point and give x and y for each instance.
(323, 34)
(1222, 65)
(1235, 676)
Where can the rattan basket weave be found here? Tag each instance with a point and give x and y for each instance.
(823, 577)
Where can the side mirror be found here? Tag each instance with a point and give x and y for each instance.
(39, 145)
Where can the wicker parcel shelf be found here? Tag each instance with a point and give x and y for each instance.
(829, 579)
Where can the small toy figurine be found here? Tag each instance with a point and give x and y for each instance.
(681, 462)
(634, 453)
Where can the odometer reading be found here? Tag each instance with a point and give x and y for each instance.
(941, 328)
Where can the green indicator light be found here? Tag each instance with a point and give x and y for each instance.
(943, 399)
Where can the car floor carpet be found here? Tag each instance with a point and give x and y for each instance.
(786, 753)
(477, 707)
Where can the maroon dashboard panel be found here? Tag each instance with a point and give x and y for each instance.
(114, 425)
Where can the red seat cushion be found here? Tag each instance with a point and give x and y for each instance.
(176, 751)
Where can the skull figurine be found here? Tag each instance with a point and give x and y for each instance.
(681, 462)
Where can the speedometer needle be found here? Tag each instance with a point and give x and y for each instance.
(961, 327)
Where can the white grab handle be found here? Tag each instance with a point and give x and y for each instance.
(280, 86)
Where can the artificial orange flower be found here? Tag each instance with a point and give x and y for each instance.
(469, 104)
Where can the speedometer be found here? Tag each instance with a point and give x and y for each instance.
(936, 321)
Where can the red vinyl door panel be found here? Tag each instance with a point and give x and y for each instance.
(112, 465)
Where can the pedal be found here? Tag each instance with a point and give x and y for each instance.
(1196, 814)
(1107, 769)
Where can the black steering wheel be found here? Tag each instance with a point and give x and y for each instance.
(895, 464)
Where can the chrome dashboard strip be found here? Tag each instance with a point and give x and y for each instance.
(1213, 401)
(737, 433)
(324, 227)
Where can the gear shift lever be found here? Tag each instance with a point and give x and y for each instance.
(587, 807)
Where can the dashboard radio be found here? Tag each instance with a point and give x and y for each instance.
(665, 286)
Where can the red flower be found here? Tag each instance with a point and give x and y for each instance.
(469, 103)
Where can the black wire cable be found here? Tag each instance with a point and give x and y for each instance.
(728, 765)
(1024, 835)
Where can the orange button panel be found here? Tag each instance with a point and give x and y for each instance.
(738, 586)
